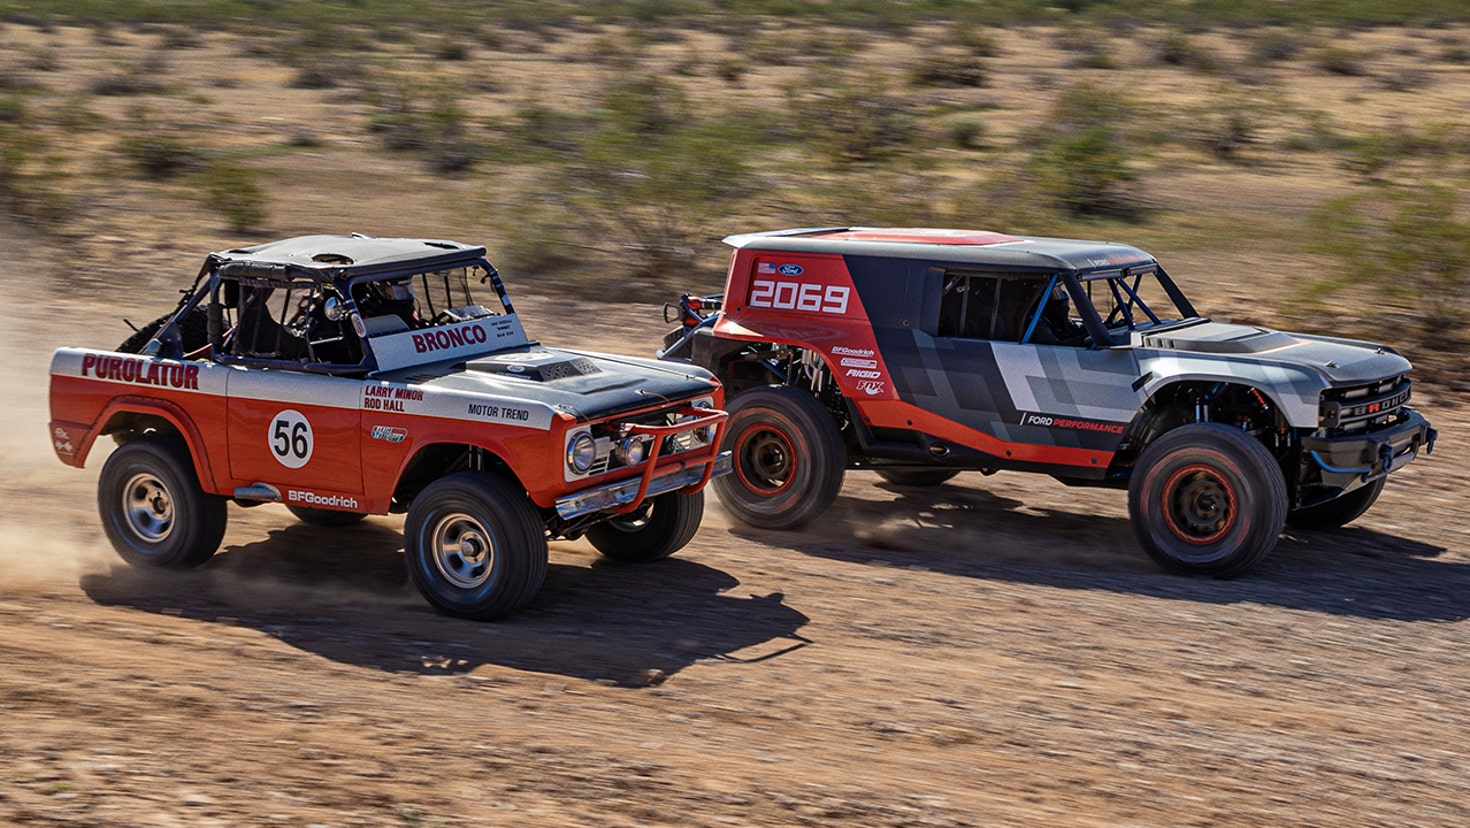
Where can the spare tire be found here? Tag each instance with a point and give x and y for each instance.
(193, 332)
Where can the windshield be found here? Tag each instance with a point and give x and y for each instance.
(435, 316)
(1133, 299)
(435, 298)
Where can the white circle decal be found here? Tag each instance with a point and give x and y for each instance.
(290, 438)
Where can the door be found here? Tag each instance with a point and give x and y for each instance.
(296, 430)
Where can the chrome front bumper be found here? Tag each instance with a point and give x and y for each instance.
(624, 492)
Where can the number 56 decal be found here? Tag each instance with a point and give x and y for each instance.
(801, 296)
(290, 438)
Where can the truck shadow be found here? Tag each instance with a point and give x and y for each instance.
(343, 594)
(1353, 571)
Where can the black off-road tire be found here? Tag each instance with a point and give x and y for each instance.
(1339, 511)
(153, 509)
(193, 330)
(918, 477)
(475, 546)
(1207, 499)
(660, 527)
(324, 517)
(788, 458)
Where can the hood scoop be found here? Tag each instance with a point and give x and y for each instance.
(1221, 338)
(540, 366)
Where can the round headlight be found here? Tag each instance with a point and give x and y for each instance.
(632, 451)
(582, 453)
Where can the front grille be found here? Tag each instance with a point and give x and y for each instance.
(1361, 409)
(609, 434)
(677, 442)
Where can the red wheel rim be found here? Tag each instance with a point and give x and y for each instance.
(1199, 504)
(765, 460)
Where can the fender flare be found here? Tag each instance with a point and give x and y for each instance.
(173, 413)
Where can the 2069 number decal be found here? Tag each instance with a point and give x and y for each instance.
(800, 296)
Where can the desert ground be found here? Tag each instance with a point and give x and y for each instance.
(994, 651)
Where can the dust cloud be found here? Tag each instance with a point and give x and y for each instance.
(49, 531)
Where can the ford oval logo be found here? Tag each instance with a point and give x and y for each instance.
(790, 270)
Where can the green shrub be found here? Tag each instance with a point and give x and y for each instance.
(453, 50)
(159, 153)
(12, 110)
(855, 119)
(234, 192)
(1086, 47)
(1275, 46)
(1179, 49)
(732, 70)
(1318, 134)
(968, 133)
(1340, 60)
(1223, 127)
(538, 130)
(646, 106)
(1406, 79)
(1410, 246)
(1455, 52)
(645, 176)
(29, 176)
(431, 122)
(314, 76)
(1083, 163)
(44, 60)
(950, 69)
(540, 238)
(977, 40)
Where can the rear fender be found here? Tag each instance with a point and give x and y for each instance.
(129, 416)
(807, 300)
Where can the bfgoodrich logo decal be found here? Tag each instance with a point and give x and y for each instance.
(314, 499)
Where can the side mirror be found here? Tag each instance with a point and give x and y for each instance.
(334, 310)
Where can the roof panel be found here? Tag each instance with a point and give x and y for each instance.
(352, 253)
(950, 247)
(921, 235)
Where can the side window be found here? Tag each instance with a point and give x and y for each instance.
(288, 321)
(967, 305)
(1017, 302)
(260, 332)
(977, 305)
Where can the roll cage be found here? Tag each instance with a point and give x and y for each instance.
(1058, 308)
(318, 319)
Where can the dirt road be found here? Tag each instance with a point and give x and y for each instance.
(996, 651)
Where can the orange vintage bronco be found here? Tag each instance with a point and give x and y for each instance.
(345, 376)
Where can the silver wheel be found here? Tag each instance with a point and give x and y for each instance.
(475, 545)
(148, 507)
(464, 550)
(153, 508)
(659, 529)
(630, 524)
